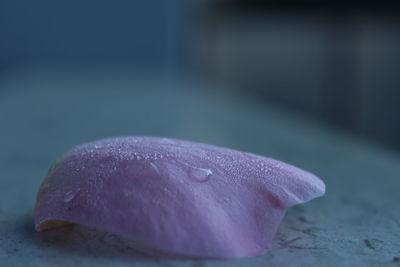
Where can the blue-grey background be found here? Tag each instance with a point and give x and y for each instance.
(315, 85)
(336, 63)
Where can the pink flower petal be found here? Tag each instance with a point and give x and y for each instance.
(174, 196)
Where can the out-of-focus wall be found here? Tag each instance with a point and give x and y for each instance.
(339, 64)
(141, 33)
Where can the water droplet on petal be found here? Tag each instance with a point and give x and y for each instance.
(70, 195)
(200, 174)
(154, 166)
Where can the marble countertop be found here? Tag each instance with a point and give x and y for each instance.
(44, 112)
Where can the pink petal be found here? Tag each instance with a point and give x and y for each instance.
(174, 196)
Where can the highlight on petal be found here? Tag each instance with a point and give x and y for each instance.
(173, 196)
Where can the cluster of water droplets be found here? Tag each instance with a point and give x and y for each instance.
(152, 150)
(260, 166)
(154, 156)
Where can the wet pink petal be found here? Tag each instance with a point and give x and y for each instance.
(174, 196)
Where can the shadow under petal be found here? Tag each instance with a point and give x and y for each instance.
(93, 242)
(97, 243)
(82, 241)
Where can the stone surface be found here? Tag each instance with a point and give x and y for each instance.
(357, 222)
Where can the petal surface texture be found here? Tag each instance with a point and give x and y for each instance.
(176, 197)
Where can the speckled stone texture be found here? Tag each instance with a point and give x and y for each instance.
(174, 196)
(356, 223)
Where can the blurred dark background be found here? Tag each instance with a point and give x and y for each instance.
(335, 63)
